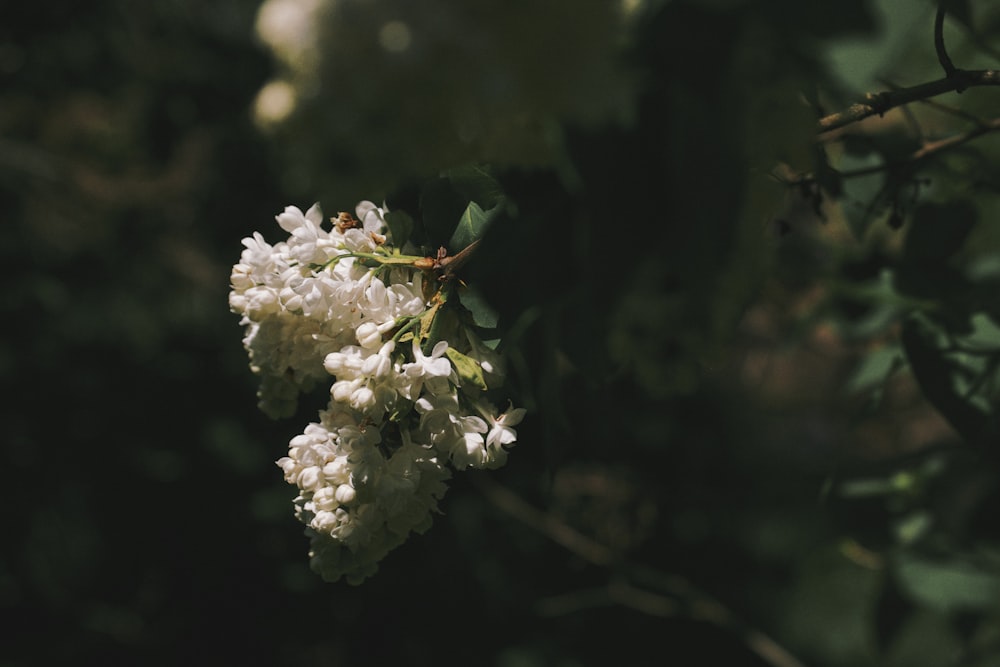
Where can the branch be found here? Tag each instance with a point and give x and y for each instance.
(942, 53)
(502, 498)
(935, 147)
(687, 600)
(955, 80)
(928, 150)
(876, 104)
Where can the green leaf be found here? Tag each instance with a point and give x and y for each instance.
(471, 226)
(468, 369)
(483, 315)
(940, 382)
(947, 585)
(475, 183)
(913, 526)
(427, 321)
(985, 333)
(875, 369)
(938, 231)
(865, 488)
(933, 282)
(984, 268)
(400, 227)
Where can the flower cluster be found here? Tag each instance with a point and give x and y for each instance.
(342, 306)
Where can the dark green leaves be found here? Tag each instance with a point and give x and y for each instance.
(875, 369)
(457, 207)
(938, 231)
(945, 380)
(476, 184)
(471, 226)
(400, 227)
(483, 315)
(948, 584)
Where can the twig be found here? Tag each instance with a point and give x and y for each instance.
(570, 603)
(876, 104)
(955, 80)
(942, 53)
(935, 147)
(691, 603)
(925, 152)
(590, 550)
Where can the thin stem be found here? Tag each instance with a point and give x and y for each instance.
(506, 500)
(382, 260)
(686, 599)
(411, 322)
(942, 53)
(935, 147)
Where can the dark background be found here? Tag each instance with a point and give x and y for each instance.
(695, 341)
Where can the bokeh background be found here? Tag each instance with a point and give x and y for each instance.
(727, 457)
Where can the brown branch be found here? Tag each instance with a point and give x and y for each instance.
(589, 550)
(876, 104)
(941, 145)
(928, 150)
(687, 601)
(955, 80)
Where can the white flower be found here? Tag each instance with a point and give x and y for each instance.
(315, 313)
(467, 450)
(371, 216)
(435, 365)
(439, 420)
(292, 219)
(501, 431)
(433, 370)
(259, 256)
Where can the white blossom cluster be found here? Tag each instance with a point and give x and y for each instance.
(373, 468)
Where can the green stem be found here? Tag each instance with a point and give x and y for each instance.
(411, 322)
(383, 260)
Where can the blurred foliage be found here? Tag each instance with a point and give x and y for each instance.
(765, 366)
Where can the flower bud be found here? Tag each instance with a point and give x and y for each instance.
(369, 337)
(325, 499)
(310, 478)
(345, 494)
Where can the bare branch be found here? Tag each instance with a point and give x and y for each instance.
(876, 104)
(686, 599)
(941, 145)
(590, 550)
(928, 150)
(955, 80)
